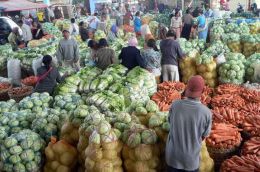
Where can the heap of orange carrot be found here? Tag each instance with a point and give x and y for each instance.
(224, 136)
(206, 95)
(228, 89)
(167, 93)
(248, 163)
(252, 146)
(228, 100)
(30, 81)
(251, 125)
(252, 96)
(227, 115)
(252, 108)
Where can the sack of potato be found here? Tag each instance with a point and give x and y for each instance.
(104, 150)
(188, 68)
(141, 151)
(208, 72)
(60, 156)
(249, 44)
(206, 162)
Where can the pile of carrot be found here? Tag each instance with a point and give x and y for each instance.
(168, 85)
(206, 95)
(228, 89)
(227, 115)
(251, 125)
(252, 146)
(19, 90)
(252, 96)
(4, 86)
(164, 98)
(224, 136)
(252, 108)
(30, 81)
(228, 100)
(128, 28)
(248, 163)
(48, 36)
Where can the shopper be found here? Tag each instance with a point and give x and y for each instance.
(57, 13)
(15, 39)
(68, 51)
(187, 20)
(27, 33)
(48, 76)
(93, 45)
(208, 12)
(83, 31)
(145, 29)
(190, 122)
(202, 26)
(105, 56)
(93, 22)
(112, 33)
(176, 24)
(34, 27)
(39, 32)
(128, 17)
(102, 25)
(137, 24)
(151, 59)
(74, 28)
(130, 55)
(119, 18)
(171, 52)
(162, 32)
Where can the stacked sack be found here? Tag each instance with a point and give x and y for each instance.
(209, 72)
(60, 156)
(140, 152)
(233, 42)
(188, 66)
(257, 46)
(69, 130)
(104, 150)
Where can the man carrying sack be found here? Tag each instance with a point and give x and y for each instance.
(68, 51)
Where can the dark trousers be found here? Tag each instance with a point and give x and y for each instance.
(171, 169)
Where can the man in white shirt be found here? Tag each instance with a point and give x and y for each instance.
(74, 28)
(27, 33)
(93, 21)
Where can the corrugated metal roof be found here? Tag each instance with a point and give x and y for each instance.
(13, 5)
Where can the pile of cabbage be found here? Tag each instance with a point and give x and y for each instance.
(233, 70)
(216, 33)
(99, 34)
(160, 119)
(22, 151)
(250, 65)
(6, 52)
(8, 106)
(67, 103)
(37, 102)
(188, 46)
(69, 86)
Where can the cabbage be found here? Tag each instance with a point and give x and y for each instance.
(151, 106)
(141, 110)
(104, 127)
(149, 136)
(134, 140)
(95, 137)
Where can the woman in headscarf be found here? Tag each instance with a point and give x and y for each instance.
(130, 55)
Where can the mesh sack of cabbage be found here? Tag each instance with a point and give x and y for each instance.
(140, 139)
(233, 70)
(144, 110)
(48, 123)
(208, 72)
(60, 156)
(22, 152)
(159, 123)
(69, 130)
(86, 128)
(250, 66)
(37, 102)
(206, 162)
(249, 44)
(104, 150)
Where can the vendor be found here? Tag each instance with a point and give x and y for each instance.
(202, 26)
(15, 39)
(48, 76)
(39, 32)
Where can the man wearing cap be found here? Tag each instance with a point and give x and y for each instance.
(68, 51)
(190, 122)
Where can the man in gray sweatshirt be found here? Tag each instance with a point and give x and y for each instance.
(68, 51)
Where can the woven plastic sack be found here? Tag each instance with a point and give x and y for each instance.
(14, 70)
